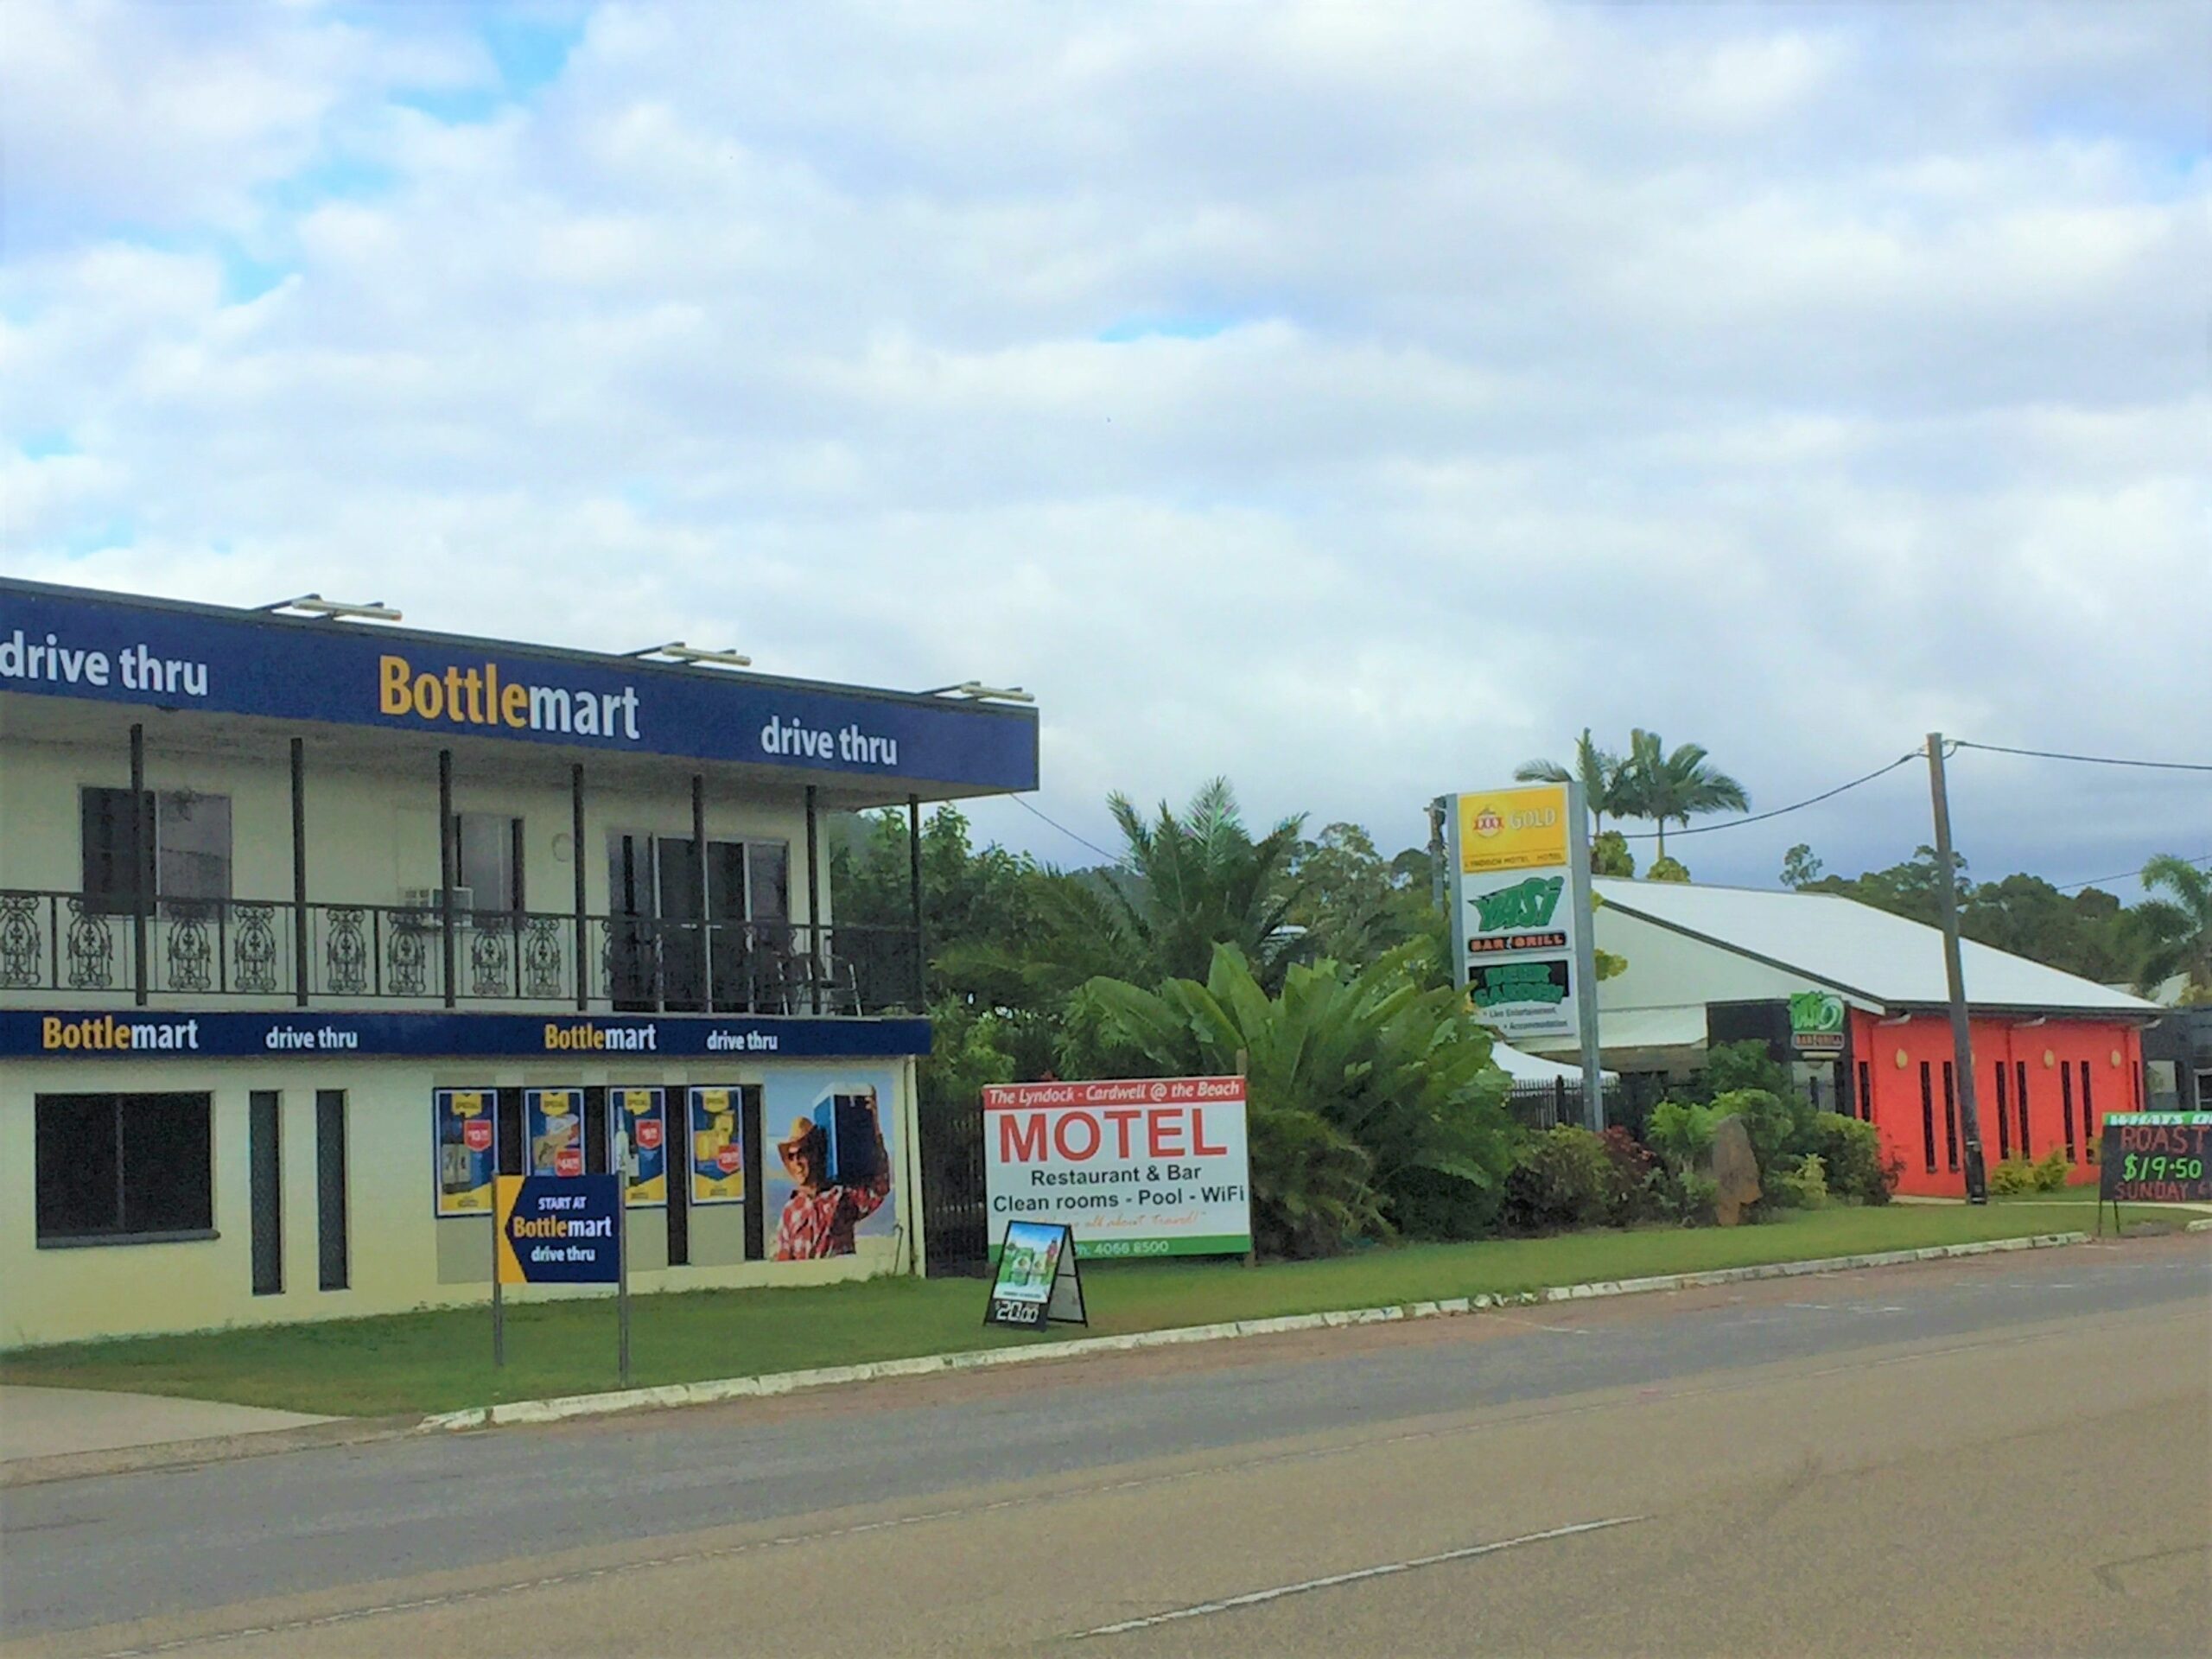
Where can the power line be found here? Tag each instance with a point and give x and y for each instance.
(2087, 760)
(1111, 858)
(2123, 875)
(1779, 811)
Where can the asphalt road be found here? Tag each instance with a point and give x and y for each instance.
(2012, 1455)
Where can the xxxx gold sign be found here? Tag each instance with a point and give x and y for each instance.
(1514, 829)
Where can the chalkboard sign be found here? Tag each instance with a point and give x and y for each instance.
(2155, 1158)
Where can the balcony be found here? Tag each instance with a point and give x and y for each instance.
(79, 945)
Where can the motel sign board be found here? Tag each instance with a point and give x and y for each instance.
(1140, 1167)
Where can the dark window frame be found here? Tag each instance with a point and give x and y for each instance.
(1928, 1113)
(152, 1114)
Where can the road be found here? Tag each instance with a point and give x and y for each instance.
(2010, 1455)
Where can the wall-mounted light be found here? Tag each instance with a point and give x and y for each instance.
(676, 652)
(2049, 1059)
(978, 691)
(1904, 1059)
(316, 605)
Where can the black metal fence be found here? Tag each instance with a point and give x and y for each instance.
(956, 1217)
(1628, 1100)
(271, 948)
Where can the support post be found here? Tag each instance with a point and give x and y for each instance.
(699, 874)
(576, 870)
(299, 873)
(143, 817)
(1954, 977)
(446, 860)
(914, 896)
(815, 955)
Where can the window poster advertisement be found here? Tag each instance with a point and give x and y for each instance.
(717, 1147)
(464, 1132)
(828, 1168)
(643, 1113)
(553, 1119)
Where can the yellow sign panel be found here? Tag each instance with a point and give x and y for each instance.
(505, 1265)
(1514, 829)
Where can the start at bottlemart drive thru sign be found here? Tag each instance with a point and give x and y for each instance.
(1142, 1166)
(1520, 909)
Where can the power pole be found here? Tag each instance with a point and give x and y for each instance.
(1437, 875)
(1954, 976)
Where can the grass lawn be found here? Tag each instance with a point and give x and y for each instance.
(441, 1361)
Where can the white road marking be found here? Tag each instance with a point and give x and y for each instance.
(1256, 1597)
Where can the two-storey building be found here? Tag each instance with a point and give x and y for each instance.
(310, 925)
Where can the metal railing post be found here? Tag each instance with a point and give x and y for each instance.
(299, 873)
(446, 851)
(576, 868)
(914, 884)
(814, 951)
(142, 854)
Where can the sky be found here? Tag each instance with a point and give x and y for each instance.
(1353, 400)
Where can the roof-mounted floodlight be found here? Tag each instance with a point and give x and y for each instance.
(981, 693)
(676, 651)
(316, 605)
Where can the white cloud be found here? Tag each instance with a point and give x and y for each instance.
(1354, 400)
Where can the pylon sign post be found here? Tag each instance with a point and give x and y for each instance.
(1519, 864)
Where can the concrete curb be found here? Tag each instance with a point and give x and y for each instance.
(780, 1382)
(217, 1448)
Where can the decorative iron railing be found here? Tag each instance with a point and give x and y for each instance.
(252, 947)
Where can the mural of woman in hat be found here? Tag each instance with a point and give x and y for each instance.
(819, 1217)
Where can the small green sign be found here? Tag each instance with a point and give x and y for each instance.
(1816, 1022)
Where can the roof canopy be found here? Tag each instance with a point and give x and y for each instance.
(1863, 952)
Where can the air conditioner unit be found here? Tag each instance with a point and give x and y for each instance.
(427, 904)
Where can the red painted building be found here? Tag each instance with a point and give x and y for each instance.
(2052, 1052)
(2042, 1084)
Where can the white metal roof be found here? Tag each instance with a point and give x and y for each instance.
(1526, 1068)
(1855, 947)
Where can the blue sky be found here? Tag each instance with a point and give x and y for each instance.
(1348, 400)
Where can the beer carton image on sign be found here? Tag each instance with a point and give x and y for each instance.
(829, 1173)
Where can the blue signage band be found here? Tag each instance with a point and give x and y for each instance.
(170, 1034)
(77, 643)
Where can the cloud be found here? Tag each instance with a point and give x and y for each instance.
(1351, 400)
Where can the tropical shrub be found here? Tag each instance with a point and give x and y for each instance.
(2013, 1175)
(1680, 1132)
(1561, 1178)
(1851, 1152)
(1375, 1109)
(1801, 1186)
(1684, 1196)
(2052, 1170)
(1628, 1197)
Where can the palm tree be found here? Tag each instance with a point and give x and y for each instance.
(1672, 786)
(1186, 885)
(1598, 771)
(2178, 929)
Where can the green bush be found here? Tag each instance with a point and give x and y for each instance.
(1804, 1186)
(2052, 1170)
(2012, 1176)
(1683, 1196)
(1562, 1179)
(1851, 1152)
(1680, 1132)
(1628, 1197)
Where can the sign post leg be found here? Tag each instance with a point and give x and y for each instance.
(622, 1273)
(498, 1308)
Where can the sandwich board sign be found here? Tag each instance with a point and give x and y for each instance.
(2154, 1158)
(1037, 1279)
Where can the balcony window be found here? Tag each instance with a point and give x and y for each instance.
(192, 846)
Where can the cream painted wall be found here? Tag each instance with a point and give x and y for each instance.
(402, 1256)
(369, 834)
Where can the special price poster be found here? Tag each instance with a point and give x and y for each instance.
(554, 1120)
(718, 1146)
(643, 1113)
(829, 1162)
(464, 1135)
